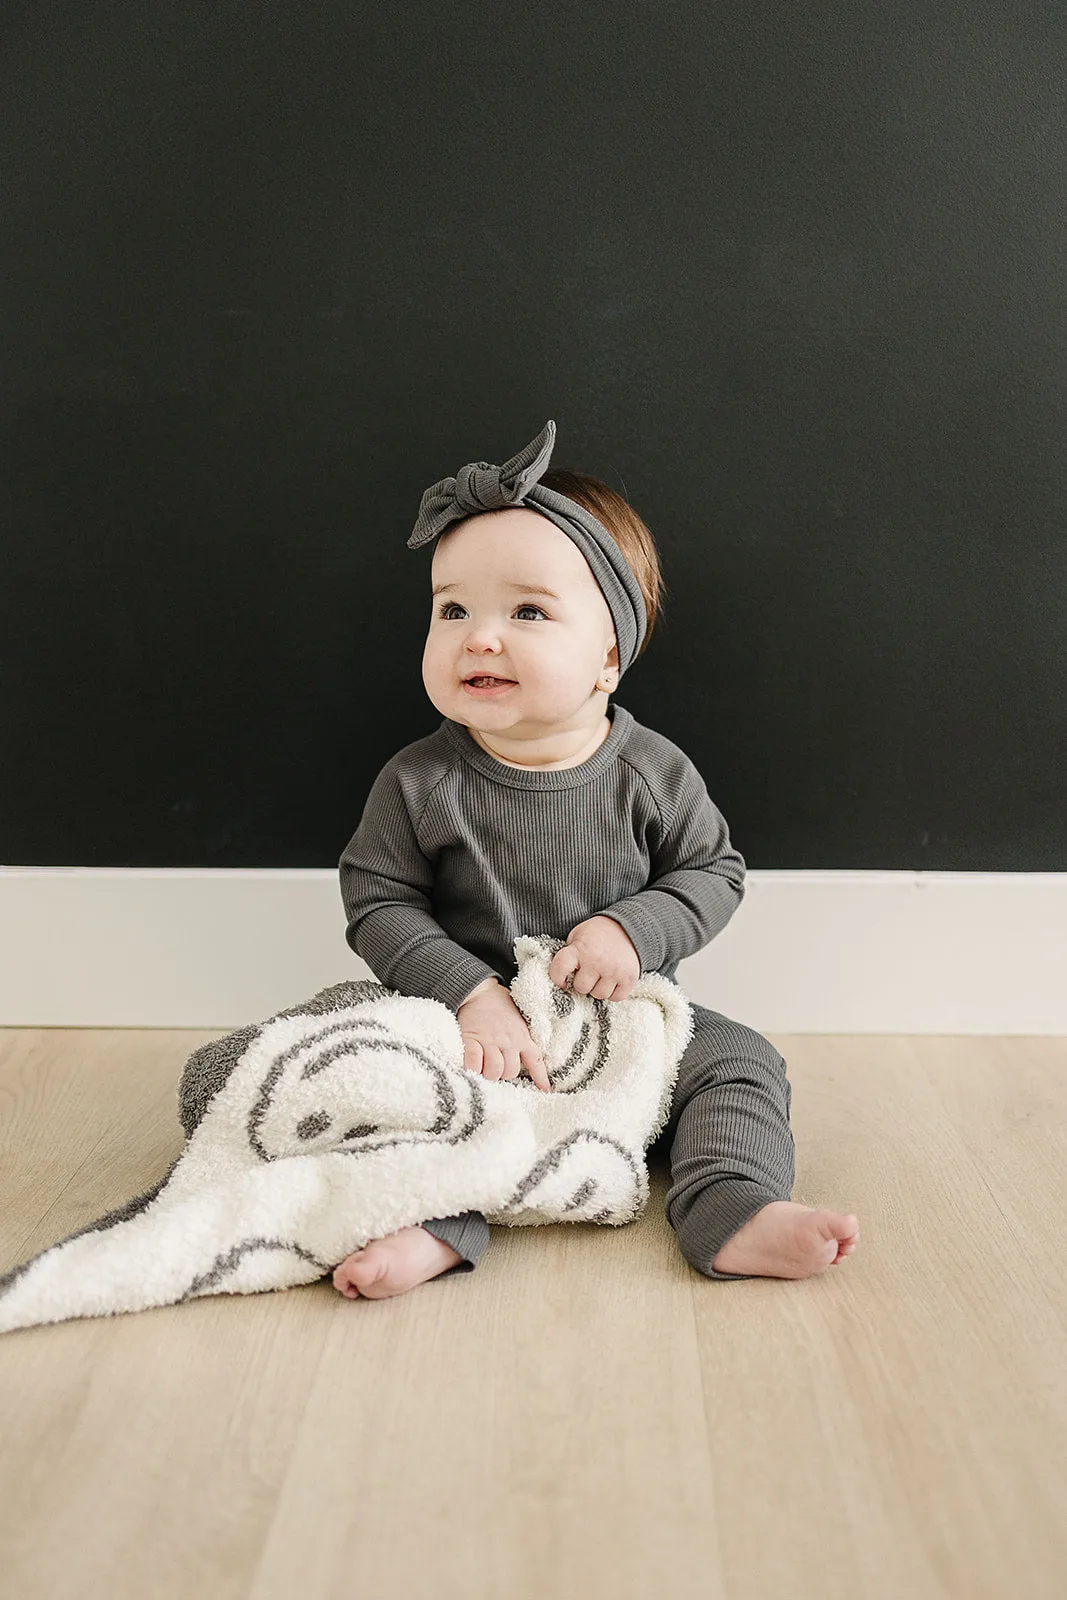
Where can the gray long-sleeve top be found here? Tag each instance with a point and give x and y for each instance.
(456, 854)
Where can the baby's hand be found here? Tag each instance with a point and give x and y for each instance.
(496, 1039)
(598, 959)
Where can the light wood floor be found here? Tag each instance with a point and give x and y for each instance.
(583, 1415)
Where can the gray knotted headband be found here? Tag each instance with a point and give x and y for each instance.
(480, 486)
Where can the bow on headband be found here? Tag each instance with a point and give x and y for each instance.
(480, 486)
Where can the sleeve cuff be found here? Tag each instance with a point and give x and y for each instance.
(455, 985)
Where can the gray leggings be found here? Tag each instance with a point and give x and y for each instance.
(731, 1148)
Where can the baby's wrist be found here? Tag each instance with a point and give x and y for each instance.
(483, 988)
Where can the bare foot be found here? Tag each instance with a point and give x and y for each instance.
(786, 1240)
(394, 1264)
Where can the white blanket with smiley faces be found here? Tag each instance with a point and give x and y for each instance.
(350, 1116)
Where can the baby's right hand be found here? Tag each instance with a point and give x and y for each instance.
(496, 1039)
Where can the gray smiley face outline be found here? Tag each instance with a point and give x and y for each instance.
(366, 1034)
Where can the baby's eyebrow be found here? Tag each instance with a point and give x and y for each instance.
(524, 588)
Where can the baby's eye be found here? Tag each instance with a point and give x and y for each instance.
(451, 605)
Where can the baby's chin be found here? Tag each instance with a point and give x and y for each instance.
(537, 711)
(515, 711)
(492, 711)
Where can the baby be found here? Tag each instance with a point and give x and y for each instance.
(538, 808)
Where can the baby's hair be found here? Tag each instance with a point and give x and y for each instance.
(626, 528)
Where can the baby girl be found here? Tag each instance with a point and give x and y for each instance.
(538, 806)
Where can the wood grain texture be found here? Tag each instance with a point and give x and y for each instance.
(583, 1414)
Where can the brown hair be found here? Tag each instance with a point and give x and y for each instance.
(626, 528)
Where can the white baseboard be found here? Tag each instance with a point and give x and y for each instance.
(807, 952)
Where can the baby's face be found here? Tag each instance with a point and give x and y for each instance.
(492, 619)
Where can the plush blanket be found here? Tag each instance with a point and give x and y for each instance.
(350, 1116)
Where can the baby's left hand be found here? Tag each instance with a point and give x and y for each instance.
(601, 958)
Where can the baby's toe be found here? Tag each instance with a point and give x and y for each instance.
(358, 1272)
(342, 1282)
(842, 1228)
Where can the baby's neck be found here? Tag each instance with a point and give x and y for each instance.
(590, 747)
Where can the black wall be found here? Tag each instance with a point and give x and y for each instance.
(794, 278)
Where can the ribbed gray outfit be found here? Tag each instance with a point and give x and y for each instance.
(456, 854)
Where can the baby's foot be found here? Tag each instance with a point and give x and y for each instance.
(394, 1264)
(786, 1240)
